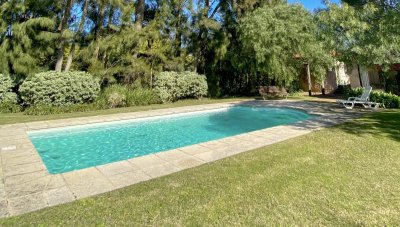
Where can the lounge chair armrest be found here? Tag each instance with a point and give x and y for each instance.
(361, 100)
(352, 98)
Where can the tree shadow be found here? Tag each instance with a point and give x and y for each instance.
(383, 124)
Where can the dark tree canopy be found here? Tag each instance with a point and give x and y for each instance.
(238, 45)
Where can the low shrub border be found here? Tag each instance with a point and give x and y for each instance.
(123, 96)
(172, 86)
(8, 99)
(388, 100)
(59, 89)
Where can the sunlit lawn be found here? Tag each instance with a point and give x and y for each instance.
(345, 175)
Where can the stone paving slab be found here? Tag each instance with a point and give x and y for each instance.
(116, 168)
(59, 195)
(211, 156)
(128, 178)
(22, 169)
(4, 208)
(194, 149)
(35, 185)
(87, 182)
(147, 161)
(26, 185)
(186, 163)
(155, 171)
(27, 203)
(180, 159)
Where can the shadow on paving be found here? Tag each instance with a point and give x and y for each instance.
(385, 124)
(309, 105)
(325, 114)
(381, 123)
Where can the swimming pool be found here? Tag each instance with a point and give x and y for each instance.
(77, 147)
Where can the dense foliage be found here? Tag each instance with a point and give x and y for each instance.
(123, 96)
(59, 89)
(8, 98)
(283, 43)
(172, 86)
(125, 41)
(6, 84)
(113, 97)
(27, 35)
(367, 34)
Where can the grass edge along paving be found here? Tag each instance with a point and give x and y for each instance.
(13, 118)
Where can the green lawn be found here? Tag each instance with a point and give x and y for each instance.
(22, 118)
(345, 175)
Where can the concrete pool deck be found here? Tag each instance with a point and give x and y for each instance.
(26, 185)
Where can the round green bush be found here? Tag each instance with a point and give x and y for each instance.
(166, 86)
(59, 89)
(116, 100)
(10, 97)
(6, 84)
(172, 86)
(192, 85)
(114, 96)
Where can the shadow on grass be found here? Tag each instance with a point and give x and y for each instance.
(386, 124)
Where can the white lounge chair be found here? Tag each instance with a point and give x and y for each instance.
(363, 100)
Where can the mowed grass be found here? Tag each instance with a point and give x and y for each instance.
(345, 175)
(12, 118)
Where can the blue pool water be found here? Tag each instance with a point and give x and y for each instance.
(77, 147)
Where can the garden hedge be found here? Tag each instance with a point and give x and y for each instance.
(388, 100)
(172, 86)
(59, 89)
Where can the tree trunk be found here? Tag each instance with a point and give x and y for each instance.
(359, 75)
(139, 14)
(110, 16)
(202, 39)
(99, 27)
(78, 33)
(178, 37)
(309, 80)
(61, 28)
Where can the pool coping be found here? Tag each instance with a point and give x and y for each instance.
(25, 184)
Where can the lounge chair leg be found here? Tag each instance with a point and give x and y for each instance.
(349, 107)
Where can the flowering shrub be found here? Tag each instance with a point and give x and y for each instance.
(6, 84)
(59, 89)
